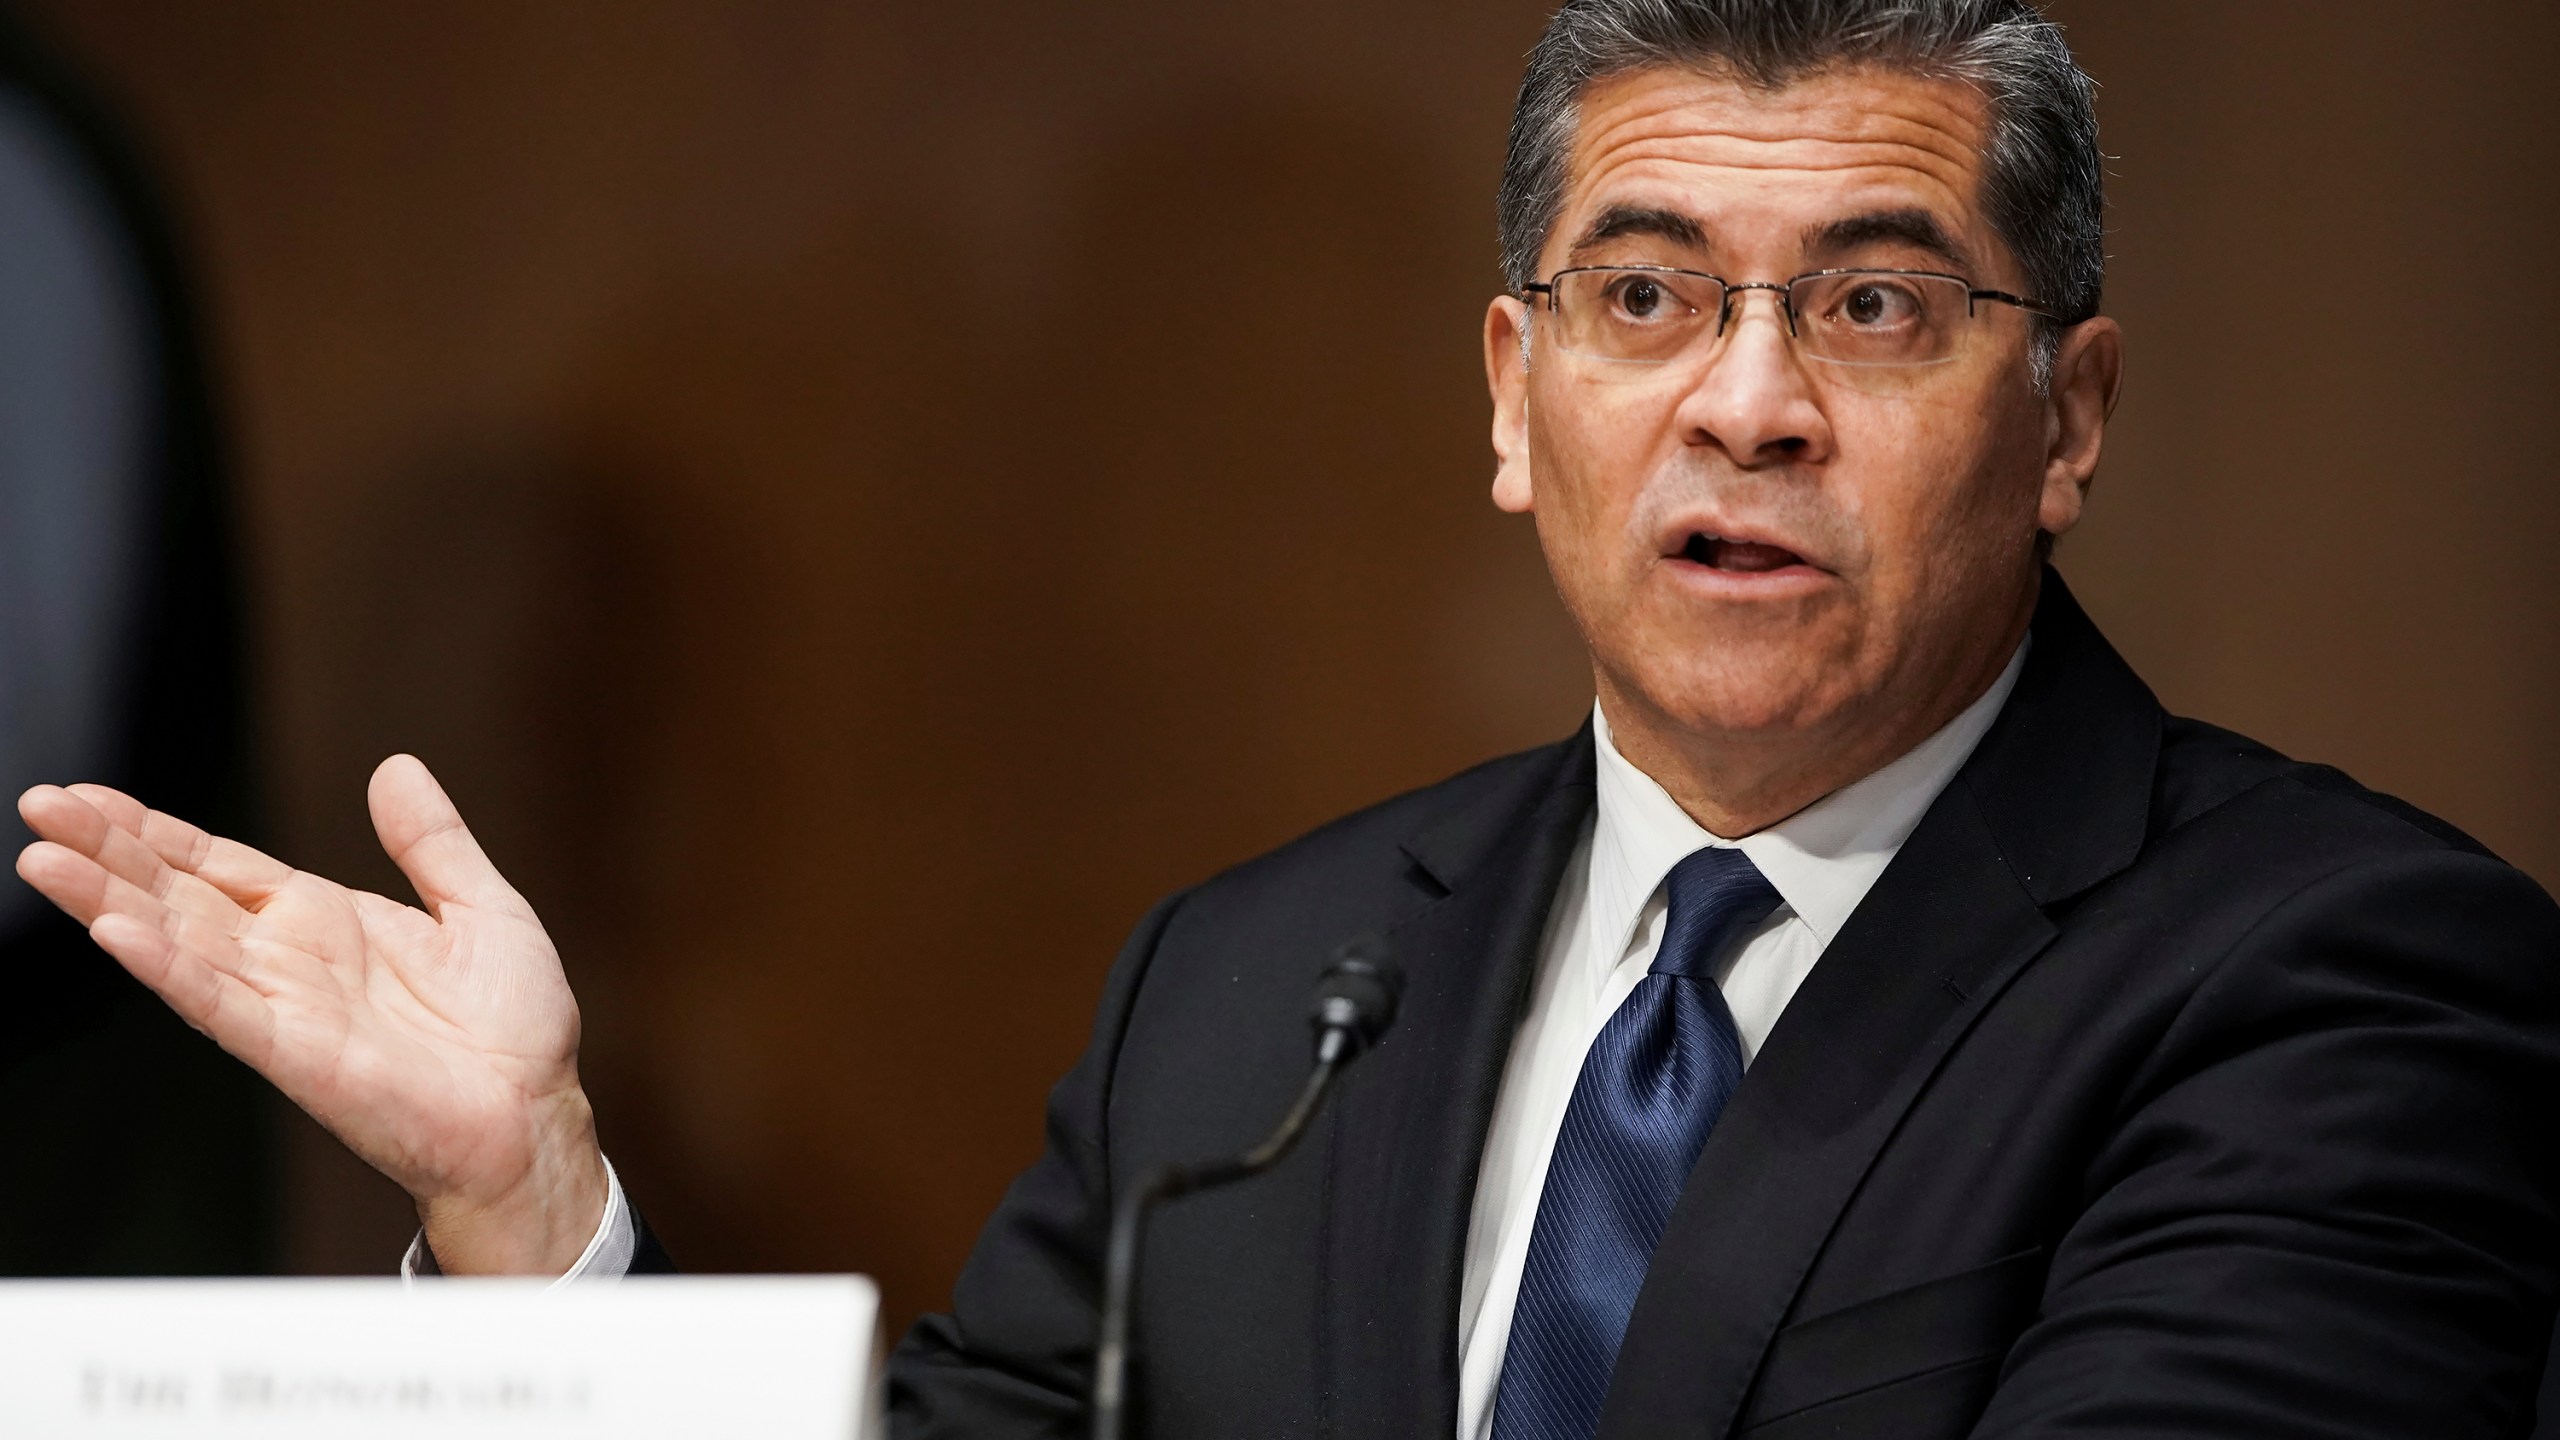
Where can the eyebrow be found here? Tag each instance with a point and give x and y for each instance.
(1907, 226)
(1619, 221)
(1912, 227)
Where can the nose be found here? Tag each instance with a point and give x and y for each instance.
(1752, 398)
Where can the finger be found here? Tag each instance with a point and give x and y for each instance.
(66, 877)
(89, 891)
(66, 819)
(244, 875)
(425, 837)
(109, 825)
(117, 806)
(104, 824)
(93, 896)
(72, 819)
(238, 1018)
(130, 862)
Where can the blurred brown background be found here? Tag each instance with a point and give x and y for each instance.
(857, 500)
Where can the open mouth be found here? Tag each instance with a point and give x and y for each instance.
(1740, 557)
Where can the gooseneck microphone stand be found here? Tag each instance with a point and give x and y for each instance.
(1355, 1002)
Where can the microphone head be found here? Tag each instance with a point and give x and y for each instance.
(1356, 998)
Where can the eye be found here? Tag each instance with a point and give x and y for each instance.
(1878, 303)
(1879, 317)
(1644, 297)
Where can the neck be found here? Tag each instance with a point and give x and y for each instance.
(1735, 783)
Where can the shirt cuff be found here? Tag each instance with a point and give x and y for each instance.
(606, 1258)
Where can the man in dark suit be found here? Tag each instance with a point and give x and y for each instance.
(1880, 1020)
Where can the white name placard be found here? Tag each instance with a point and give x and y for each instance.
(779, 1358)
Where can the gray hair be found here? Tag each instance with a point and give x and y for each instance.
(2044, 187)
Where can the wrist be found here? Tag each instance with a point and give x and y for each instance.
(541, 1223)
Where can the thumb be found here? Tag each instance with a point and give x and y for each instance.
(424, 836)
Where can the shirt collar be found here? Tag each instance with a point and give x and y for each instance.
(1822, 860)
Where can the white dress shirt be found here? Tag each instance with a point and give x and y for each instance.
(1601, 937)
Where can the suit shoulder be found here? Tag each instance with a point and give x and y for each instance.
(1238, 942)
(2252, 803)
(1383, 846)
(2266, 871)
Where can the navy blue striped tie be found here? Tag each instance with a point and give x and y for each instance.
(1657, 1077)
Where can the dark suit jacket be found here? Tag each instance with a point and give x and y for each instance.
(2161, 1086)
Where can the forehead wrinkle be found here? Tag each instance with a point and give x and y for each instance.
(1943, 116)
(1799, 156)
(1898, 126)
(1889, 189)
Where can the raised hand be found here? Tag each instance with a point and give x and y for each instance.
(440, 1044)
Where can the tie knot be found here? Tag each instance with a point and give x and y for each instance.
(1716, 894)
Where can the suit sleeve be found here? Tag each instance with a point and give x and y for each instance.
(648, 1255)
(1014, 1356)
(2326, 1208)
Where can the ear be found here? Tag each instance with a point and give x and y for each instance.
(1506, 373)
(2088, 371)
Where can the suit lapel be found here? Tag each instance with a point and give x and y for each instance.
(2054, 800)
(1409, 1135)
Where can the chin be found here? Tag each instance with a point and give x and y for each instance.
(1740, 696)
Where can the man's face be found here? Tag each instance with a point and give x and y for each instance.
(1757, 544)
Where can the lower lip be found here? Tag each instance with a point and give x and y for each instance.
(1785, 582)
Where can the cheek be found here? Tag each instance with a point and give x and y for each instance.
(1940, 488)
(1588, 453)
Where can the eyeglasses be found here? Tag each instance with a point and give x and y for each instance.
(1652, 314)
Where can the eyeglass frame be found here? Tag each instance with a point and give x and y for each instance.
(1785, 291)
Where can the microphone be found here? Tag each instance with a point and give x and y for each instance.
(1355, 1003)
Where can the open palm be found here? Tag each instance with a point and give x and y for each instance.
(440, 1043)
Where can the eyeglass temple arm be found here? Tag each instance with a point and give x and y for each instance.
(2036, 307)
